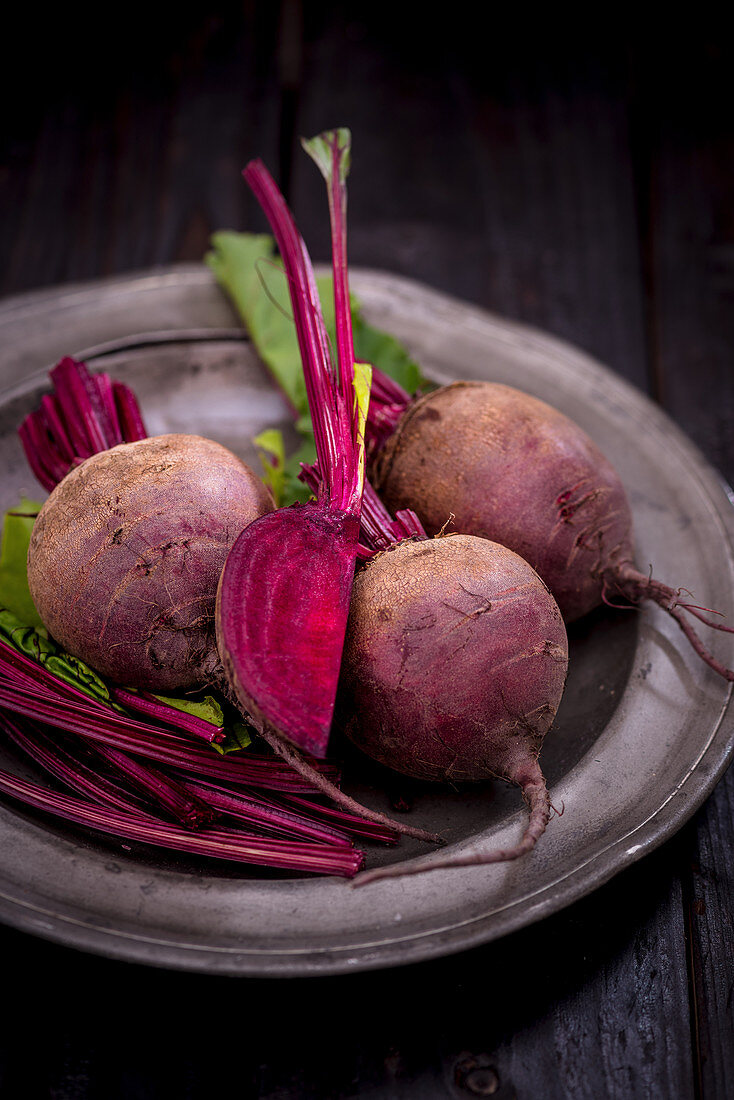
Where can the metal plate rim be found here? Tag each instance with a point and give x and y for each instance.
(20, 913)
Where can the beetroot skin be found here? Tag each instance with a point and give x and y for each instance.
(489, 460)
(127, 552)
(509, 467)
(455, 661)
(454, 665)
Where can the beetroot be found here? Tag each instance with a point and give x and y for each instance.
(455, 661)
(127, 554)
(503, 465)
(283, 598)
(454, 667)
(454, 664)
(127, 551)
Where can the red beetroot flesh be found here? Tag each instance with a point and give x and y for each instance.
(127, 552)
(293, 570)
(510, 468)
(454, 663)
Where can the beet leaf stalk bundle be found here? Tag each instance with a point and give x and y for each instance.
(105, 758)
(86, 414)
(284, 594)
(155, 779)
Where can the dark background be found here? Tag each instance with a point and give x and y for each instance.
(577, 177)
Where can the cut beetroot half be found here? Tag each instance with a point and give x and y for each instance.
(293, 575)
(284, 593)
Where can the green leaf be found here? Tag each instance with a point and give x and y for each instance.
(14, 591)
(37, 645)
(320, 149)
(245, 267)
(238, 737)
(207, 708)
(271, 451)
(388, 355)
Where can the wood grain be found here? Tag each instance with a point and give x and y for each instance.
(579, 185)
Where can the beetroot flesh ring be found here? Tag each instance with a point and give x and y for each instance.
(279, 657)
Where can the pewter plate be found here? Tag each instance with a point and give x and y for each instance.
(643, 734)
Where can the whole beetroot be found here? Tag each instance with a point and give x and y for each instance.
(501, 464)
(127, 551)
(454, 666)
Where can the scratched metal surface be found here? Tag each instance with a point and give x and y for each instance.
(643, 734)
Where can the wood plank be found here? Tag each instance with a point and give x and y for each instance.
(500, 175)
(504, 178)
(683, 97)
(143, 168)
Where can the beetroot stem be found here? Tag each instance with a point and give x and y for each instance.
(283, 598)
(87, 414)
(185, 806)
(69, 769)
(535, 794)
(635, 587)
(332, 152)
(324, 786)
(352, 823)
(313, 340)
(219, 843)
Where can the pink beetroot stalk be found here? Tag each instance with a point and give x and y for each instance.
(86, 414)
(18, 670)
(105, 727)
(69, 768)
(158, 711)
(29, 689)
(219, 843)
(262, 812)
(283, 598)
(80, 770)
(284, 594)
(186, 806)
(357, 826)
(378, 529)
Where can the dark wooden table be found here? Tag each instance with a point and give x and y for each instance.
(578, 181)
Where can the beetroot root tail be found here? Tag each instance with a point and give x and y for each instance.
(635, 587)
(698, 646)
(299, 763)
(535, 794)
